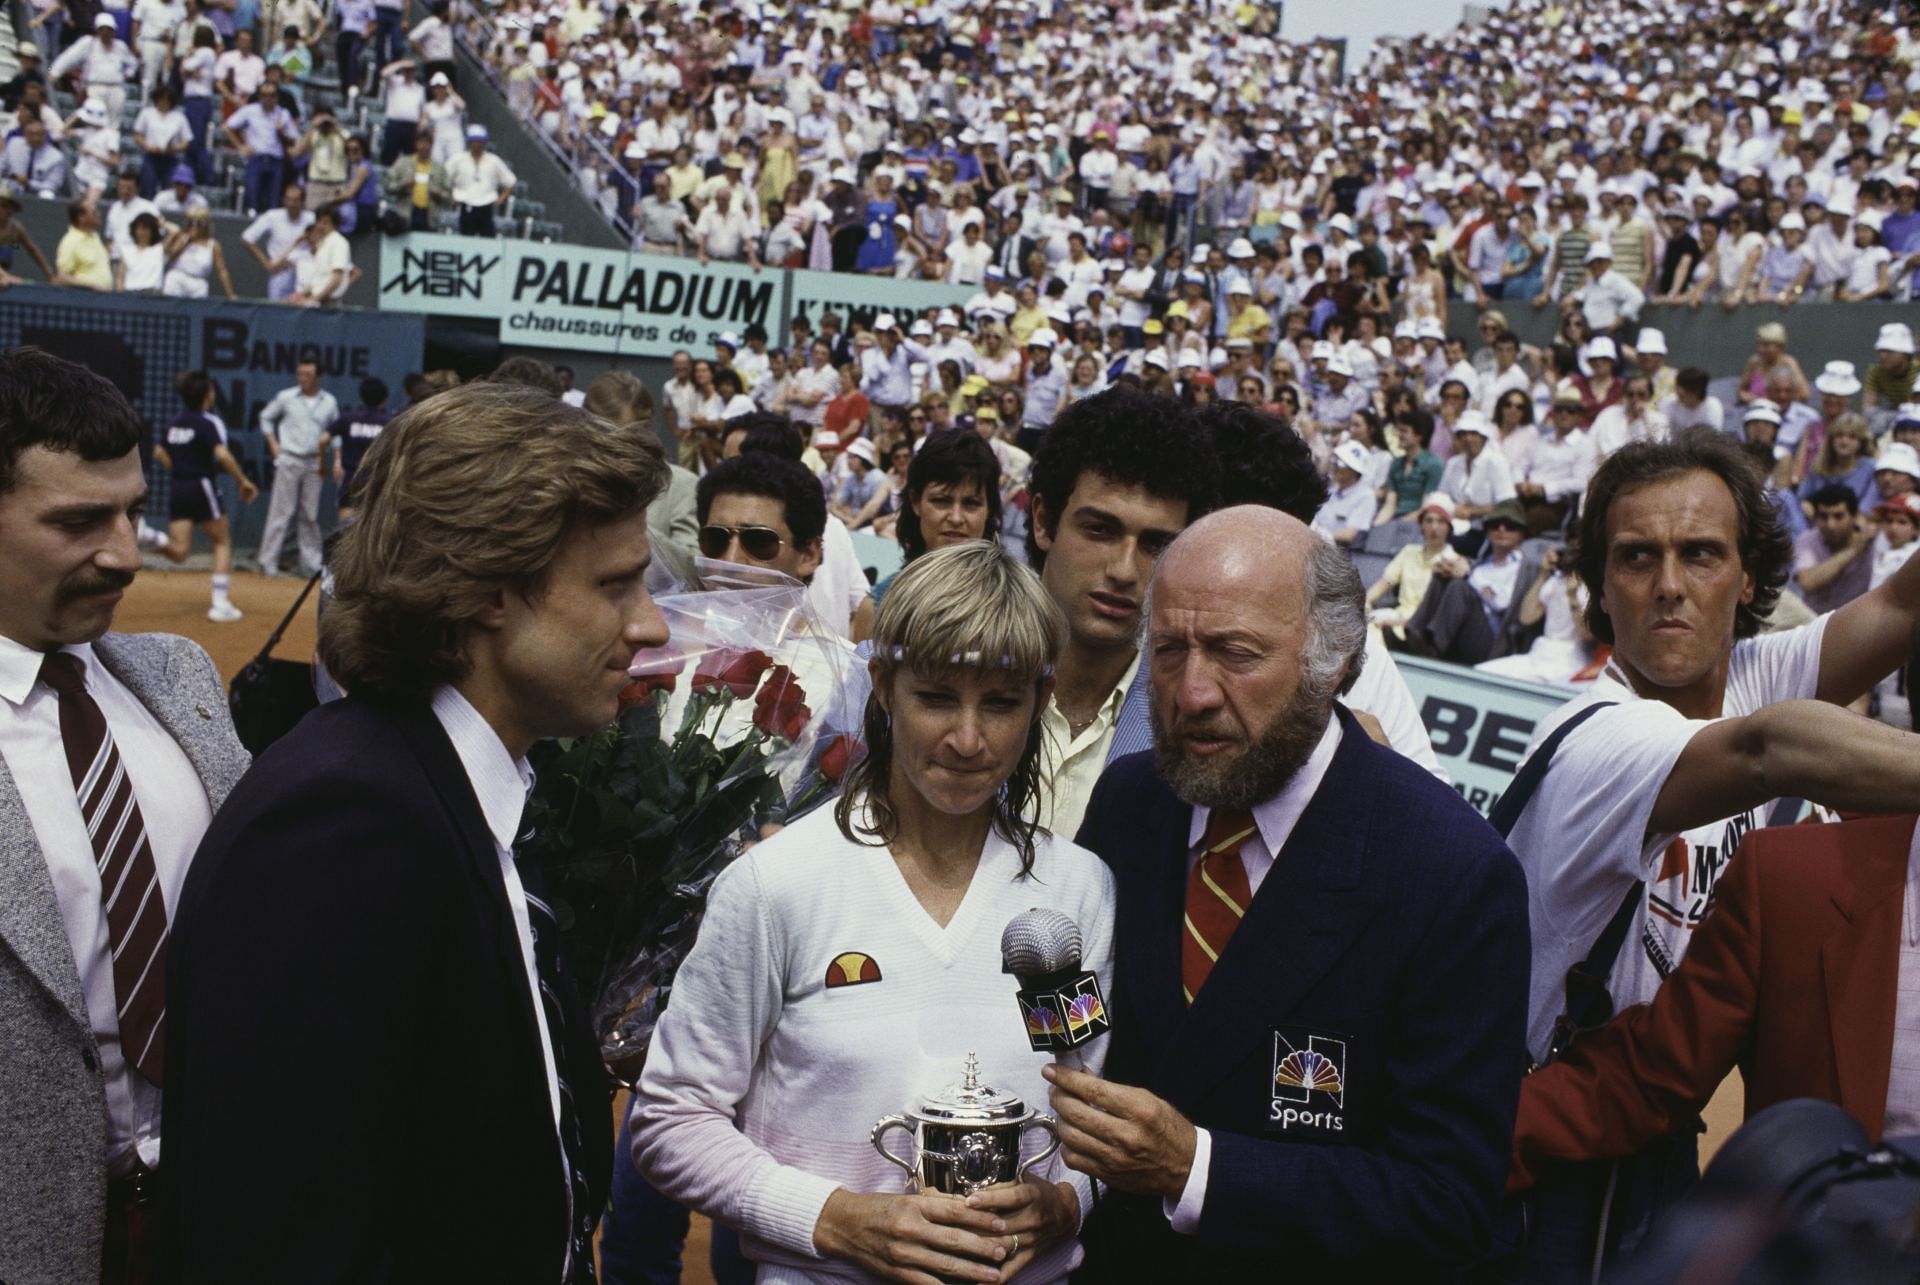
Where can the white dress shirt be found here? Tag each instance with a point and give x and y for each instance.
(1562, 465)
(502, 784)
(1275, 820)
(173, 803)
(479, 182)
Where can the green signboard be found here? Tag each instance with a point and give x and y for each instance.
(611, 301)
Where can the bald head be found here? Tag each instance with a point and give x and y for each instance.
(1249, 548)
(1253, 623)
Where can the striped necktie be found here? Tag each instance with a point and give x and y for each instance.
(581, 1218)
(1217, 897)
(129, 880)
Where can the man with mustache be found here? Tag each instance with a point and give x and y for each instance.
(115, 750)
(1698, 723)
(1319, 951)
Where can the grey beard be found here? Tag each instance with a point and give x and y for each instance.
(1258, 772)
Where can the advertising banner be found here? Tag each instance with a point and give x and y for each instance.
(1480, 725)
(610, 301)
(141, 344)
(860, 298)
(550, 295)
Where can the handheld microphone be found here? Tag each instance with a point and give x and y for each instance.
(1060, 1002)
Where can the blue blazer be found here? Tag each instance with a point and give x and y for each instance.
(1356, 1054)
(355, 1087)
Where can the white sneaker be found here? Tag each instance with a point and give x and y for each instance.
(152, 538)
(223, 613)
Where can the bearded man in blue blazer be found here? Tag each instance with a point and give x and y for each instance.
(1320, 951)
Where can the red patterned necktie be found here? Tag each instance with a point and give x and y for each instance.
(1217, 897)
(129, 880)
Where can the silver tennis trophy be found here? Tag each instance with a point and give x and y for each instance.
(965, 1137)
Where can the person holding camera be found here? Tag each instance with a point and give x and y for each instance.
(324, 144)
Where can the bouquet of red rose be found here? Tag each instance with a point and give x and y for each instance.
(748, 717)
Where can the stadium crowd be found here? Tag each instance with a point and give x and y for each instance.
(1204, 277)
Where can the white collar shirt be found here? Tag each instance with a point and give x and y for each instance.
(501, 784)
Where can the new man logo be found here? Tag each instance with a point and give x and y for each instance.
(852, 969)
(441, 274)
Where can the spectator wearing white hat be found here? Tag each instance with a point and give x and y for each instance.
(1871, 273)
(100, 65)
(1831, 242)
(1896, 470)
(1836, 386)
(1347, 512)
(1476, 477)
(1562, 464)
(1246, 319)
(1336, 401)
(1759, 431)
(863, 491)
(96, 149)
(886, 370)
(482, 184)
(1600, 386)
(1045, 386)
(1650, 354)
(1786, 265)
(1890, 379)
(1607, 299)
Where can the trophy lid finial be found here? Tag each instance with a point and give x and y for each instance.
(973, 1072)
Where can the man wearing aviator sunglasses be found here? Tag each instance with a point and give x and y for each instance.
(758, 510)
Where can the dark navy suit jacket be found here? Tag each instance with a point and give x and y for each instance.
(1390, 939)
(356, 1091)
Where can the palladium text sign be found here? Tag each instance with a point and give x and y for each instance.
(578, 297)
(647, 305)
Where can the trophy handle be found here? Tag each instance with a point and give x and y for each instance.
(1048, 1123)
(880, 1129)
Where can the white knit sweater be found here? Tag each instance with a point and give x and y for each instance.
(763, 1082)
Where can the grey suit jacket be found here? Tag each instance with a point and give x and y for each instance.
(53, 1110)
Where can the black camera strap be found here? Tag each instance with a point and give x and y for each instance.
(1588, 1003)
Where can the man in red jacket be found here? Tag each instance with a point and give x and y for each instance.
(1806, 974)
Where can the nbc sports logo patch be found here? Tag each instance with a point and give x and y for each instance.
(852, 969)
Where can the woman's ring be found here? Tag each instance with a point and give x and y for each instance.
(1016, 1244)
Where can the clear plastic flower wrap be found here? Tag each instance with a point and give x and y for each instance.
(749, 716)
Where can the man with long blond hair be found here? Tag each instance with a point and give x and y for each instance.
(380, 1070)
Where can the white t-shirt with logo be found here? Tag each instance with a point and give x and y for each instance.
(1583, 839)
